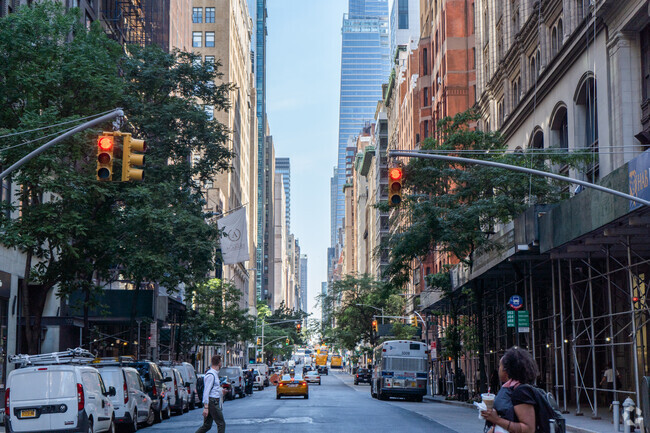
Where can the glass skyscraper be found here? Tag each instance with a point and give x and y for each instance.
(259, 42)
(365, 66)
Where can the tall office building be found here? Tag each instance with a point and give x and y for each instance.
(263, 200)
(365, 65)
(283, 167)
(404, 23)
(303, 282)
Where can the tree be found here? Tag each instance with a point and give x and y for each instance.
(75, 231)
(216, 316)
(281, 331)
(353, 304)
(454, 208)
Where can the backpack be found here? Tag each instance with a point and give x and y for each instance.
(547, 410)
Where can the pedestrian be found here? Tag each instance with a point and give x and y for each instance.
(212, 398)
(607, 382)
(514, 405)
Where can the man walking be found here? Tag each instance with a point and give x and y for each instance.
(212, 397)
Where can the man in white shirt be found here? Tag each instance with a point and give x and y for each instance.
(211, 398)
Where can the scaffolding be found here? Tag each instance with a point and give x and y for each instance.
(137, 22)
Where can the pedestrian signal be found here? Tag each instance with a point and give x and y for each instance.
(105, 147)
(131, 160)
(395, 179)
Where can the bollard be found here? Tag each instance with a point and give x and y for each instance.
(616, 414)
(628, 415)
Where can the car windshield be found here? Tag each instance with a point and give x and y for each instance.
(286, 377)
(229, 371)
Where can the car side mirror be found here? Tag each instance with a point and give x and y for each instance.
(186, 384)
(111, 392)
(167, 379)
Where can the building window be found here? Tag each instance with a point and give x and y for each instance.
(586, 120)
(426, 102)
(209, 111)
(425, 63)
(209, 39)
(532, 69)
(560, 34)
(516, 91)
(197, 15)
(209, 15)
(426, 129)
(500, 117)
(554, 41)
(196, 39)
(403, 14)
(645, 62)
(209, 61)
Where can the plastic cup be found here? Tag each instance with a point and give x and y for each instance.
(488, 399)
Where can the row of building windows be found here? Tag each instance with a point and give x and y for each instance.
(197, 15)
(197, 39)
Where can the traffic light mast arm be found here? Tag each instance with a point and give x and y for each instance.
(115, 113)
(274, 340)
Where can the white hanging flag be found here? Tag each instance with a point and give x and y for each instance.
(234, 237)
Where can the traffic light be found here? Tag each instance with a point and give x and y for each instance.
(298, 327)
(395, 179)
(105, 145)
(375, 327)
(130, 159)
(286, 342)
(259, 341)
(414, 321)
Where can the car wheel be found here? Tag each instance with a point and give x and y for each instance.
(157, 416)
(277, 397)
(111, 429)
(307, 396)
(167, 413)
(356, 383)
(151, 417)
(90, 426)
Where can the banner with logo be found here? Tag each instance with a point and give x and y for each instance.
(234, 237)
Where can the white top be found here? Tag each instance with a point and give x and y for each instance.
(211, 385)
(609, 375)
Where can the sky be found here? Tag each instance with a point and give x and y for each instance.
(303, 77)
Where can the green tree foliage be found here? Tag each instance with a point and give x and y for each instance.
(73, 230)
(217, 316)
(281, 331)
(351, 303)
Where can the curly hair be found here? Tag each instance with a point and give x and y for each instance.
(520, 365)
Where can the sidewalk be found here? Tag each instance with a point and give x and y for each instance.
(575, 424)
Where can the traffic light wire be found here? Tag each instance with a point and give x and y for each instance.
(37, 139)
(55, 124)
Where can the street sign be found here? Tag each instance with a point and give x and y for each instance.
(510, 319)
(434, 351)
(523, 321)
(516, 302)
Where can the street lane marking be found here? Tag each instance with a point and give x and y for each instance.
(236, 421)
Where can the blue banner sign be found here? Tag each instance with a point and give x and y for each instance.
(639, 174)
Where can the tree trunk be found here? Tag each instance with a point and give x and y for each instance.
(32, 343)
(478, 294)
(134, 310)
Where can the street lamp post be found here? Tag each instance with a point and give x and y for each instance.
(376, 308)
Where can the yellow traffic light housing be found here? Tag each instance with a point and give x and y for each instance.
(131, 160)
(414, 321)
(286, 341)
(395, 180)
(105, 146)
(259, 341)
(298, 327)
(375, 326)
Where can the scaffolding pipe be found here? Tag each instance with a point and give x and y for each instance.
(563, 337)
(593, 340)
(611, 329)
(532, 308)
(557, 378)
(573, 328)
(635, 355)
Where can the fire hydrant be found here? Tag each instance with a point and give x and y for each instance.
(628, 415)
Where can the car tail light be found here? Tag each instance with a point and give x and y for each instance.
(126, 393)
(81, 403)
(7, 411)
(303, 383)
(175, 387)
(154, 391)
(188, 390)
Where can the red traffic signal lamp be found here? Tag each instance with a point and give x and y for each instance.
(375, 327)
(105, 146)
(131, 160)
(395, 180)
(298, 327)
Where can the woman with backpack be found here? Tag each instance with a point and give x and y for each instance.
(515, 404)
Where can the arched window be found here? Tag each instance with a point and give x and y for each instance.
(560, 128)
(537, 140)
(532, 71)
(586, 121)
(554, 41)
(560, 34)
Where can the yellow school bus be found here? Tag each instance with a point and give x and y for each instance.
(337, 361)
(321, 359)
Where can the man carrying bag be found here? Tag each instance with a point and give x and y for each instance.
(212, 398)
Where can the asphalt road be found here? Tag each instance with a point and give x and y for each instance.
(335, 406)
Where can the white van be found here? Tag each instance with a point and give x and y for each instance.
(48, 398)
(189, 378)
(131, 404)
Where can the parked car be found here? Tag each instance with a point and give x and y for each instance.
(47, 398)
(153, 384)
(189, 377)
(235, 376)
(363, 375)
(258, 380)
(131, 404)
(176, 393)
(264, 370)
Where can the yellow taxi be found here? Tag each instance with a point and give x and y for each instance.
(293, 386)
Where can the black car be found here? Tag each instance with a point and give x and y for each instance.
(322, 369)
(153, 383)
(362, 375)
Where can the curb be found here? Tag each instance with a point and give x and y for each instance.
(569, 428)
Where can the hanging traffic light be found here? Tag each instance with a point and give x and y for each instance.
(298, 327)
(130, 159)
(105, 145)
(375, 327)
(259, 341)
(414, 321)
(286, 342)
(395, 179)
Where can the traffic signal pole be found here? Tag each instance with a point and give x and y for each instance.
(113, 114)
(520, 169)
